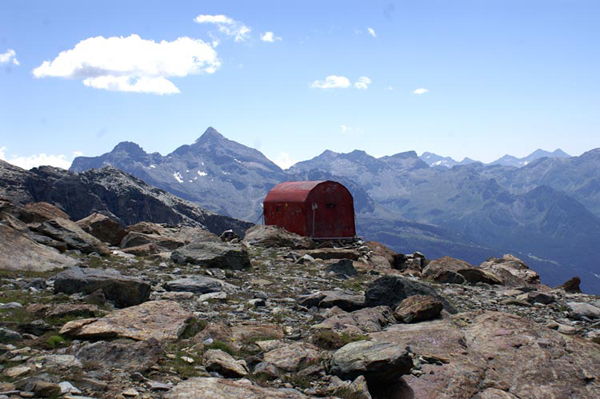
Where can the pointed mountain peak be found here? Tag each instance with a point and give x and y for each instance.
(211, 134)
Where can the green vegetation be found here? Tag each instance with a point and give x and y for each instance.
(328, 339)
(222, 346)
(56, 341)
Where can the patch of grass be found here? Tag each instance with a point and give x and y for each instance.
(298, 381)
(222, 346)
(328, 339)
(56, 341)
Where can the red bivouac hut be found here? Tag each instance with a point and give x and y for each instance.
(317, 209)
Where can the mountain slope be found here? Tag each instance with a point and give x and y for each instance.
(509, 160)
(109, 191)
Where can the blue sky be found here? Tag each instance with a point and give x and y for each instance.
(477, 78)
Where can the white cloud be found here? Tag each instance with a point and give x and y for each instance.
(420, 90)
(33, 161)
(372, 32)
(284, 161)
(9, 57)
(350, 130)
(269, 37)
(132, 64)
(362, 83)
(390, 88)
(226, 25)
(332, 82)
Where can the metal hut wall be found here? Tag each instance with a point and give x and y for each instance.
(317, 209)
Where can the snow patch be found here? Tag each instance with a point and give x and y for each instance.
(200, 173)
(178, 177)
(153, 166)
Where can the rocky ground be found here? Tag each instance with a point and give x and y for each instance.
(89, 309)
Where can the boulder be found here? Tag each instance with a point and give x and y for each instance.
(132, 356)
(39, 212)
(342, 268)
(123, 290)
(540, 297)
(293, 357)
(161, 320)
(251, 331)
(103, 228)
(391, 290)
(73, 236)
(378, 362)
(329, 299)
(474, 352)
(199, 284)
(219, 388)
(572, 285)
(135, 239)
(358, 322)
(577, 310)
(223, 363)
(213, 255)
(512, 270)
(18, 252)
(275, 236)
(418, 308)
(475, 275)
(445, 263)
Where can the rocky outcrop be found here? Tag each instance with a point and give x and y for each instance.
(103, 228)
(224, 364)
(378, 362)
(274, 236)
(73, 236)
(213, 254)
(123, 290)
(359, 322)
(161, 320)
(512, 270)
(18, 252)
(477, 353)
(391, 290)
(127, 355)
(418, 308)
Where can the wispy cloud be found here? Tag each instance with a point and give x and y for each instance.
(372, 32)
(362, 83)
(10, 56)
(226, 25)
(341, 82)
(284, 160)
(33, 161)
(350, 129)
(269, 37)
(332, 82)
(132, 64)
(420, 90)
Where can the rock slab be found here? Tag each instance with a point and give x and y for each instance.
(123, 290)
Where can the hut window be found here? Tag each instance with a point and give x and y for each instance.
(278, 208)
(330, 205)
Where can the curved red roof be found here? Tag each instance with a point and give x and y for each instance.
(292, 191)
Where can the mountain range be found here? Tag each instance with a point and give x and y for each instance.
(547, 211)
(435, 160)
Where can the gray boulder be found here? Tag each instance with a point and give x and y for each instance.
(329, 299)
(577, 310)
(199, 285)
(120, 354)
(378, 362)
(123, 290)
(391, 290)
(213, 255)
(72, 235)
